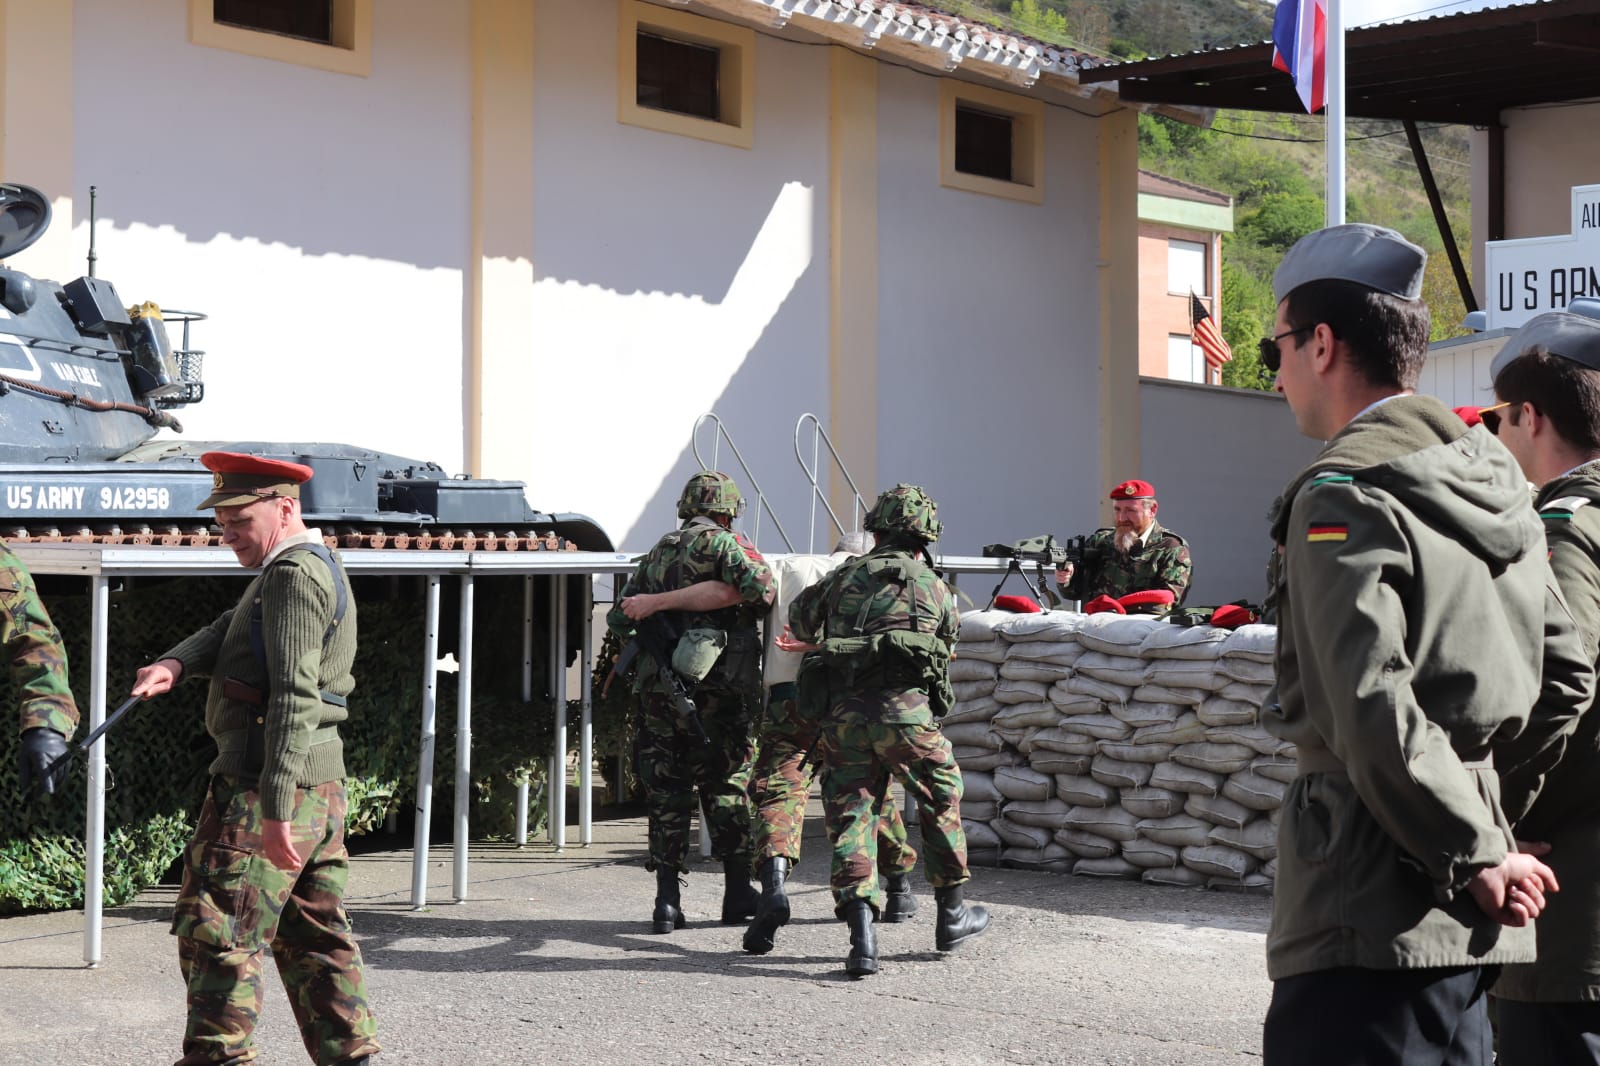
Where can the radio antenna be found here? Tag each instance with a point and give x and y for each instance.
(92, 256)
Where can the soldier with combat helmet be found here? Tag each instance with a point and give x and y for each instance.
(1547, 382)
(881, 628)
(710, 587)
(1136, 554)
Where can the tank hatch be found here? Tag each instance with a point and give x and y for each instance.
(24, 216)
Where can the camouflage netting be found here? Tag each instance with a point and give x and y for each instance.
(159, 752)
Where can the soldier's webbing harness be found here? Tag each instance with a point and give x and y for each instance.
(255, 728)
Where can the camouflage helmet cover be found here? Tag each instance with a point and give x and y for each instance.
(905, 509)
(710, 492)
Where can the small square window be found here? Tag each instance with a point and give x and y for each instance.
(306, 20)
(334, 35)
(679, 76)
(983, 143)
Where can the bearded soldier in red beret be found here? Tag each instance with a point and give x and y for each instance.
(1136, 555)
(267, 865)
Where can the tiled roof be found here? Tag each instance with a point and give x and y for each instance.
(1161, 185)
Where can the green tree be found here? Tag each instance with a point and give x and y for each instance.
(1248, 313)
(1045, 23)
(1282, 219)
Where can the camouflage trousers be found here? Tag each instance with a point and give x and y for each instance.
(234, 903)
(862, 752)
(674, 763)
(781, 783)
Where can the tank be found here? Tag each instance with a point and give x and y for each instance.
(87, 382)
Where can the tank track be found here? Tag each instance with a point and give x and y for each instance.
(344, 537)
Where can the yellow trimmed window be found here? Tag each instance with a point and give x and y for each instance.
(991, 142)
(331, 35)
(684, 74)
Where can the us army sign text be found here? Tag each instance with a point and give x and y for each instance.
(1538, 274)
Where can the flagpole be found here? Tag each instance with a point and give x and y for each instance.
(1334, 99)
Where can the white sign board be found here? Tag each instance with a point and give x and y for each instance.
(1539, 274)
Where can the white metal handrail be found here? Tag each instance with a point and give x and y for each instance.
(820, 437)
(721, 435)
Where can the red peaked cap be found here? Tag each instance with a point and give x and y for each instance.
(1016, 604)
(1469, 415)
(1104, 603)
(239, 479)
(1232, 616)
(1133, 490)
(1135, 601)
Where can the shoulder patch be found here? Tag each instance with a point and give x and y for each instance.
(1326, 532)
(1331, 479)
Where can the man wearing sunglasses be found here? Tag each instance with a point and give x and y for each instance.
(1419, 626)
(1547, 382)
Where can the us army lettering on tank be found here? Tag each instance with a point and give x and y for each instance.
(44, 497)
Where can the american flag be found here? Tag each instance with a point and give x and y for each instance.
(1204, 333)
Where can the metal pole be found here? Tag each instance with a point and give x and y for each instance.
(458, 880)
(430, 709)
(1335, 110)
(527, 698)
(95, 830)
(586, 719)
(558, 696)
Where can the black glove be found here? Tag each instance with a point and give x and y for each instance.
(40, 748)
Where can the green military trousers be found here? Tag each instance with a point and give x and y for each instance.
(869, 739)
(234, 902)
(785, 760)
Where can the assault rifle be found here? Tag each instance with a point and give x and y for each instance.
(656, 636)
(1041, 551)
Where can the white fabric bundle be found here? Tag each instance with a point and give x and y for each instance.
(1278, 767)
(1052, 858)
(979, 625)
(1084, 685)
(976, 785)
(1244, 692)
(985, 760)
(973, 690)
(993, 651)
(1100, 726)
(1253, 736)
(979, 810)
(967, 735)
(1187, 673)
(1250, 671)
(1176, 876)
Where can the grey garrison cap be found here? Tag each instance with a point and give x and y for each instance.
(1574, 337)
(1373, 256)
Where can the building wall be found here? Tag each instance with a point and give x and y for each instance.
(318, 218)
(1218, 458)
(1161, 311)
(1457, 370)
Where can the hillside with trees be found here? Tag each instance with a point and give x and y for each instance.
(1272, 165)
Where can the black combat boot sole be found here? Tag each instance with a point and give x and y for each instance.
(762, 934)
(861, 965)
(945, 942)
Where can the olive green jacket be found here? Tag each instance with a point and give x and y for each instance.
(1567, 814)
(1419, 625)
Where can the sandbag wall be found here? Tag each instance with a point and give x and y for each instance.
(1118, 746)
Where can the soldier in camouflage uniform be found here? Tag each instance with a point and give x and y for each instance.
(267, 865)
(786, 758)
(882, 627)
(38, 674)
(712, 587)
(1135, 555)
(1547, 378)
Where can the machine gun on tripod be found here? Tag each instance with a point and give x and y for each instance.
(1039, 551)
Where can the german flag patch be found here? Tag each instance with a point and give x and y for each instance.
(1325, 532)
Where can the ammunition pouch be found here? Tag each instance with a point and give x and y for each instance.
(738, 665)
(896, 660)
(697, 651)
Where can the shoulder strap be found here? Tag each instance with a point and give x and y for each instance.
(258, 640)
(1564, 508)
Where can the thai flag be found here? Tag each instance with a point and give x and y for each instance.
(1299, 41)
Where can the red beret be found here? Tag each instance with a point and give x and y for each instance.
(1469, 415)
(1135, 601)
(1104, 603)
(1016, 604)
(1232, 616)
(1133, 490)
(239, 479)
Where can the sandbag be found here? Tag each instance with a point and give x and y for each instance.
(1052, 858)
(1252, 790)
(1116, 634)
(1115, 867)
(1175, 876)
(980, 709)
(1117, 669)
(1027, 715)
(1150, 802)
(1220, 711)
(1057, 652)
(1047, 814)
(1132, 751)
(1112, 822)
(1149, 853)
(1058, 763)
(1030, 670)
(993, 651)
(1214, 860)
(1017, 835)
(1186, 729)
(1180, 778)
(1017, 739)
(1070, 703)
(1217, 758)
(993, 760)
(1179, 830)
(972, 670)
(1258, 838)
(979, 834)
(969, 735)
(1021, 783)
(1100, 726)
(1184, 697)
(1277, 767)
(1065, 739)
(1107, 691)
(1253, 736)
(1249, 670)
(1139, 714)
(1054, 626)
(979, 810)
(1244, 692)
(1187, 673)
(1115, 772)
(984, 856)
(1087, 845)
(1010, 690)
(966, 691)
(1084, 791)
(1254, 641)
(976, 785)
(979, 625)
(1219, 810)
(1183, 642)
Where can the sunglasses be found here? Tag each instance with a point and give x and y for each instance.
(1490, 417)
(1269, 347)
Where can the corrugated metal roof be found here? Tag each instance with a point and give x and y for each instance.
(1463, 68)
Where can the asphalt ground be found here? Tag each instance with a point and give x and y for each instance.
(550, 960)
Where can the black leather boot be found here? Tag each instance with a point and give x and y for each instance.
(773, 911)
(863, 958)
(739, 897)
(898, 902)
(669, 906)
(957, 921)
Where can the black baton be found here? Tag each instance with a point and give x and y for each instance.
(94, 735)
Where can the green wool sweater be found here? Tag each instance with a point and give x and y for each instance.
(302, 745)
